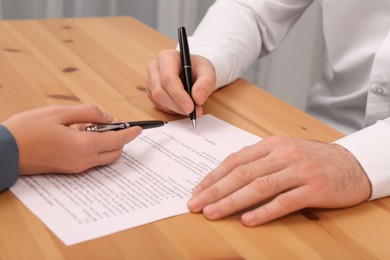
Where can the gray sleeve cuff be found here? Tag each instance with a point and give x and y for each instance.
(9, 159)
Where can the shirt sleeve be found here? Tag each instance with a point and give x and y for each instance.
(9, 159)
(234, 33)
(371, 147)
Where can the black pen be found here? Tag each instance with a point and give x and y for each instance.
(187, 69)
(124, 125)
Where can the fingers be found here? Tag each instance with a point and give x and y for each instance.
(98, 148)
(242, 157)
(111, 140)
(281, 187)
(82, 114)
(245, 186)
(164, 86)
(170, 69)
(252, 176)
(156, 93)
(283, 204)
(287, 174)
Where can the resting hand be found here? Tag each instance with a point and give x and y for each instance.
(279, 176)
(47, 144)
(165, 89)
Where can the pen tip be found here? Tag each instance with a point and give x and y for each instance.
(194, 124)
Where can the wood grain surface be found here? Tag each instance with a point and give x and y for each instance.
(103, 61)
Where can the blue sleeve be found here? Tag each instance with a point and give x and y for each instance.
(9, 159)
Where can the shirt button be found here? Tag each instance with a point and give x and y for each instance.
(379, 90)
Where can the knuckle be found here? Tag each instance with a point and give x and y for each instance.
(229, 203)
(243, 174)
(275, 139)
(278, 141)
(214, 192)
(166, 53)
(208, 81)
(232, 160)
(264, 212)
(307, 168)
(156, 94)
(286, 200)
(261, 186)
(210, 178)
(93, 107)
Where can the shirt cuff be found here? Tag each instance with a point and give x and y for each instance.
(371, 147)
(9, 159)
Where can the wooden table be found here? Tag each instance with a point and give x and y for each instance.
(103, 61)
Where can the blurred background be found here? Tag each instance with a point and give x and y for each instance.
(287, 73)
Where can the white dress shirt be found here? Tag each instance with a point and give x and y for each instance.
(353, 91)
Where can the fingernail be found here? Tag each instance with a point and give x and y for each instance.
(211, 211)
(194, 204)
(248, 219)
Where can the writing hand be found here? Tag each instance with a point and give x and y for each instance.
(279, 176)
(165, 89)
(47, 144)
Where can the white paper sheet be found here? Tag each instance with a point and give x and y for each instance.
(153, 180)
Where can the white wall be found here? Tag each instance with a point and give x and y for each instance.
(288, 72)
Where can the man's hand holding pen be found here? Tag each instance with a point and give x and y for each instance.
(166, 90)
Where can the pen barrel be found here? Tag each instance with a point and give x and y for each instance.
(187, 69)
(187, 80)
(148, 124)
(123, 125)
(184, 48)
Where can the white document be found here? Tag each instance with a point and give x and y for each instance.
(153, 180)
